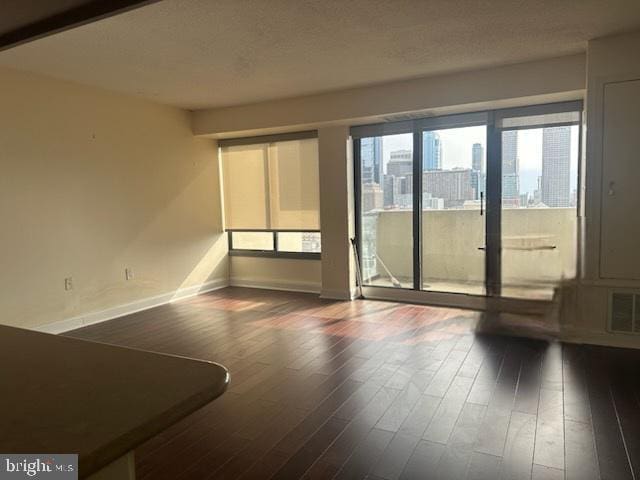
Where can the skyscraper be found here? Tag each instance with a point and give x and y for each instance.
(431, 151)
(371, 159)
(477, 154)
(397, 191)
(510, 169)
(477, 174)
(453, 186)
(372, 197)
(389, 191)
(400, 163)
(510, 152)
(556, 162)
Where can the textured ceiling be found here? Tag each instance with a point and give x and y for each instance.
(209, 53)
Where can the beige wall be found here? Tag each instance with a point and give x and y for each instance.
(336, 211)
(545, 80)
(92, 182)
(278, 273)
(610, 59)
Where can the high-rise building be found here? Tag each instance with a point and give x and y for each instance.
(429, 202)
(537, 193)
(400, 163)
(371, 159)
(398, 191)
(431, 151)
(453, 186)
(477, 183)
(405, 189)
(556, 162)
(372, 197)
(510, 163)
(369, 245)
(388, 191)
(311, 242)
(477, 174)
(477, 156)
(573, 201)
(510, 169)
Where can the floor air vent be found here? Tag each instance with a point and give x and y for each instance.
(624, 312)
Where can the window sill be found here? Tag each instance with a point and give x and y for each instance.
(271, 254)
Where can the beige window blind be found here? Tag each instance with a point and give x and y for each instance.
(272, 185)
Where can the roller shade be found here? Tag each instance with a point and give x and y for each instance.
(540, 116)
(272, 186)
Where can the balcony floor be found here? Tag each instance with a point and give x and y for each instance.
(533, 292)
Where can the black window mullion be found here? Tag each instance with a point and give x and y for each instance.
(417, 209)
(493, 232)
(357, 172)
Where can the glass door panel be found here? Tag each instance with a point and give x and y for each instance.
(453, 200)
(386, 205)
(539, 210)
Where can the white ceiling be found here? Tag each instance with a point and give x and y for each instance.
(210, 53)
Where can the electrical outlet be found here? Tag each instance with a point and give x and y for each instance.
(128, 273)
(68, 283)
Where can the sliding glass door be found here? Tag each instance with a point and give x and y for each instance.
(453, 196)
(539, 208)
(478, 204)
(386, 210)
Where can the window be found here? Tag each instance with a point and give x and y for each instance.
(271, 195)
(306, 242)
(453, 191)
(386, 166)
(257, 241)
(484, 203)
(285, 244)
(539, 218)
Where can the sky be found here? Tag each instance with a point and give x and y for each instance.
(458, 142)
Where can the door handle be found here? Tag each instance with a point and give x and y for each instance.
(481, 203)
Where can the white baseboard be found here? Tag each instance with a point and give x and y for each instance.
(129, 308)
(344, 295)
(287, 286)
(597, 337)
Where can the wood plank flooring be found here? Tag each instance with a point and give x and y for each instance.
(383, 390)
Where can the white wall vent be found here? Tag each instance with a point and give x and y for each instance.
(624, 312)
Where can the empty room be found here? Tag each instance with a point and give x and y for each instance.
(320, 239)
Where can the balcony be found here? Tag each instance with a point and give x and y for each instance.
(538, 250)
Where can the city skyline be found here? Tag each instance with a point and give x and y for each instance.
(456, 145)
(460, 180)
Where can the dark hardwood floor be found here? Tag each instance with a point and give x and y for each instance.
(381, 390)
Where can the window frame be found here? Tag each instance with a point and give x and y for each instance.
(493, 213)
(275, 253)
